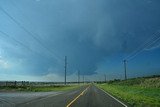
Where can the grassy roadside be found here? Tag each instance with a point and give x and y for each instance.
(135, 93)
(39, 88)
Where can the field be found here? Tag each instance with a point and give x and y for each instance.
(138, 92)
(39, 88)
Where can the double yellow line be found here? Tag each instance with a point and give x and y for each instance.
(77, 97)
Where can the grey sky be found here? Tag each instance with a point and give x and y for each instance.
(91, 33)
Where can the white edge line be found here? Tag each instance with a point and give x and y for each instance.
(113, 97)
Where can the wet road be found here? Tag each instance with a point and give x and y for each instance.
(85, 96)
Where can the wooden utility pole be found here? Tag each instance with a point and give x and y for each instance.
(105, 78)
(65, 70)
(125, 68)
(83, 78)
(78, 76)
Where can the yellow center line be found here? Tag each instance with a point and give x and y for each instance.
(77, 97)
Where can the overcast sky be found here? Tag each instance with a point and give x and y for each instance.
(95, 35)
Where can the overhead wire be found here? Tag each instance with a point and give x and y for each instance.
(30, 33)
(143, 45)
(153, 39)
(143, 49)
(20, 43)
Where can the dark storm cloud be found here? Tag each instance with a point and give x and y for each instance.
(87, 31)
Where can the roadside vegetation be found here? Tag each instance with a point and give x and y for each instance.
(39, 88)
(138, 92)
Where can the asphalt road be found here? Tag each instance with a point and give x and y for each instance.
(95, 97)
(85, 96)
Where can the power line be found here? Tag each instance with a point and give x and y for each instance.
(151, 41)
(30, 33)
(38, 40)
(154, 38)
(145, 47)
(6, 35)
(55, 55)
(33, 35)
(15, 40)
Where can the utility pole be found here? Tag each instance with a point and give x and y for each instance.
(125, 68)
(83, 78)
(105, 78)
(65, 70)
(78, 76)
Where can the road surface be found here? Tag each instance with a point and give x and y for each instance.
(85, 96)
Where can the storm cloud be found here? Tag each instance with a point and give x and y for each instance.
(86, 31)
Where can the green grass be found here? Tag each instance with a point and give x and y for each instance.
(141, 92)
(39, 88)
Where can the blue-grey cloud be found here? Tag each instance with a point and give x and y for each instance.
(87, 31)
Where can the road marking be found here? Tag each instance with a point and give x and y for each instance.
(77, 97)
(114, 98)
